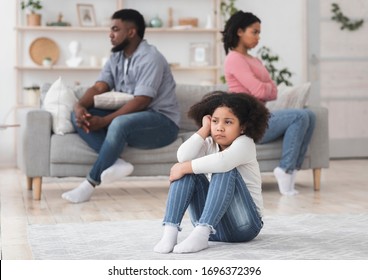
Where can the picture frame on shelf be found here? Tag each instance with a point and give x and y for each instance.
(86, 15)
(200, 54)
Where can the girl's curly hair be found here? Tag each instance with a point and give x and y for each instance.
(251, 112)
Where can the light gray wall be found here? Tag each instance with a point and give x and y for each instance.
(283, 30)
(7, 82)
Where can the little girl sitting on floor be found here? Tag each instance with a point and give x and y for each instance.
(226, 205)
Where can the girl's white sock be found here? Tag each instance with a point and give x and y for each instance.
(168, 240)
(293, 191)
(80, 194)
(117, 171)
(195, 242)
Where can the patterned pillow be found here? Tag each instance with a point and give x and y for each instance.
(290, 97)
(112, 100)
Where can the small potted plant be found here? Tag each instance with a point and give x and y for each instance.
(33, 18)
(47, 62)
(32, 95)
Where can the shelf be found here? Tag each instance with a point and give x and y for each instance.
(87, 68)
(60, 68)
(186, 68)
(107, 29)
(5, 126)
(61, 29)
(185, 30)
(174, 43)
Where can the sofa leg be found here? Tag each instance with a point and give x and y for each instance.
(29, 183)
(37, 184)
(317, 178)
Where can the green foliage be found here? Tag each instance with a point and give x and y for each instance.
(345, 22)
(279, 76)
(228, 8)
(32, 5)
(33, 87)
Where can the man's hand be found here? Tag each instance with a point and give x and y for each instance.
(81, 117)
(95, 123)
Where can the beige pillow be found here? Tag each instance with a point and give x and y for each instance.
(59, 101)
(112, 100)
(290, 97)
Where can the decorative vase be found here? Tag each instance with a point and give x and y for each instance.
(33, 97)
(33, 19)
(47, 62)
(156, 22)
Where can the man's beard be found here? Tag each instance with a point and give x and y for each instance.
(121, 46)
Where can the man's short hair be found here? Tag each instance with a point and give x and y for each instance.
(134, 17)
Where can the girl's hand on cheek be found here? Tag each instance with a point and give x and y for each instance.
(205, 130)
(206, 122)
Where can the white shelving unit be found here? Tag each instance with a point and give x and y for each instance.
(174, 43)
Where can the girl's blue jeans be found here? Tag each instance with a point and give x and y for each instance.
(297, 126)
(223, 203)
(144, 130)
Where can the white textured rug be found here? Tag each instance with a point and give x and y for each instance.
(299, 237)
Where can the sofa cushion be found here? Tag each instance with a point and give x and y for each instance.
(80, 153)
(290, 97)
(59, 101)
(188, 95)
(269, 151)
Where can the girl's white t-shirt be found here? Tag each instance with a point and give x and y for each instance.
(207, 158)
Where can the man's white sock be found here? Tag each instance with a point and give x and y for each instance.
(80, 194)
(283, 180)
(195, 242)
(168, 240)
(117, 171)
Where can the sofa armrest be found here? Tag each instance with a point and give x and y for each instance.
(36, 141)
(319, 145)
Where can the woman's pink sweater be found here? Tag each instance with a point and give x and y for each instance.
(246, 74)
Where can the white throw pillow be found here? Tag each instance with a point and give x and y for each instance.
(290, 97)
(59, 101)
(111, 100)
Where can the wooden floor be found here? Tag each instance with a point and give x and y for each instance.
(344, 189)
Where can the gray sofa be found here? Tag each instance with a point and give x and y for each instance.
(45, 154)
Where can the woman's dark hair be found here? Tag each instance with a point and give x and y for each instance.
(238, 20)
(251, 112)
(134, 17)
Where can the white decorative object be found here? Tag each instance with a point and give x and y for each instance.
(111, 100)
(209, 22)
(199, 54)
(59, 101)
(104, 60)
(86, 15)
(93, 61)
(75, 60)
(47, 62)
(33, 97)
(207, 83)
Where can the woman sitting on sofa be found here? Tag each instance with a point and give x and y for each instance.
(245, 73)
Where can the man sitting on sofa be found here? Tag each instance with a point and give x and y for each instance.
(149, 120)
